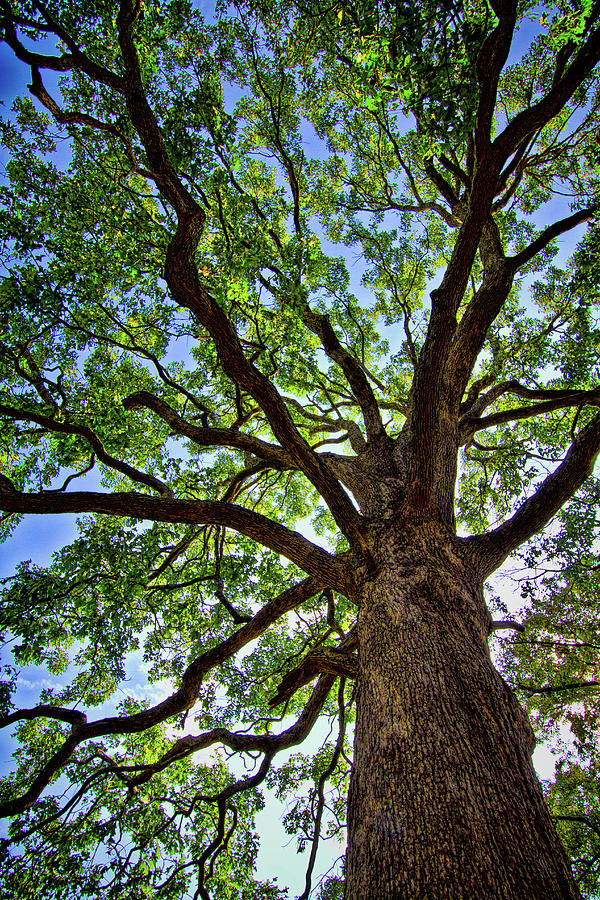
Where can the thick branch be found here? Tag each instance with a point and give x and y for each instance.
(452, 166)
(479, 314)
(490, 62)
(487, 303)
(182, 277)
(211, 437)
(428, 402)
(308, 556)
(506, 625)
(95, 443)
(71, 716)
(563, 88)
(440, 183)
(144, 122)
(489, 300)
(491, 549)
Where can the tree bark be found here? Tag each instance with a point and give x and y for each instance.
(444, 803)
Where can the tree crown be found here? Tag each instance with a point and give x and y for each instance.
(276, 265)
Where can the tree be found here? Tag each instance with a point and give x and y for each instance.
(186, 205)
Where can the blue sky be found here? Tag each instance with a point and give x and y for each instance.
(37, 537)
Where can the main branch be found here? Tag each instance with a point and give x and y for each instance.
(308, 556)
(491, 549)
(182, 277)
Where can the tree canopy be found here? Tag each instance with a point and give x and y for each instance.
(274, 273)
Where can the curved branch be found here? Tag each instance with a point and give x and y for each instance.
(144, 122)
(517, 261)
(63, 63)
(308, 556)
(73, 717)
(469, 425)
(182, 278)
(80, 118)
(211, 437)
(213, 847)
(247, 743)
(44, 776)
(177, 703)
(491, 549)
(95, 443)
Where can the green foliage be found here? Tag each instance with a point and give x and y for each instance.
(306, 133)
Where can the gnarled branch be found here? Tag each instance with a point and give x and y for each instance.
(181, 700)
(491, 549)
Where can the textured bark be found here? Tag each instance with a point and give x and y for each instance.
(444, 802)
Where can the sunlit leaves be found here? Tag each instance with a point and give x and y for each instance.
(329, 149)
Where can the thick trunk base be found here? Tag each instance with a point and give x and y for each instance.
(444, 803)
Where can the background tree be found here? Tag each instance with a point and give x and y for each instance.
(183, 333)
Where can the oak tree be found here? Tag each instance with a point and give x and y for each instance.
(289, 326)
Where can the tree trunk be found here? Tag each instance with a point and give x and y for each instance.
(444, 802)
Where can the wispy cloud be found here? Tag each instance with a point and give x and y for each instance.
(40, 684)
